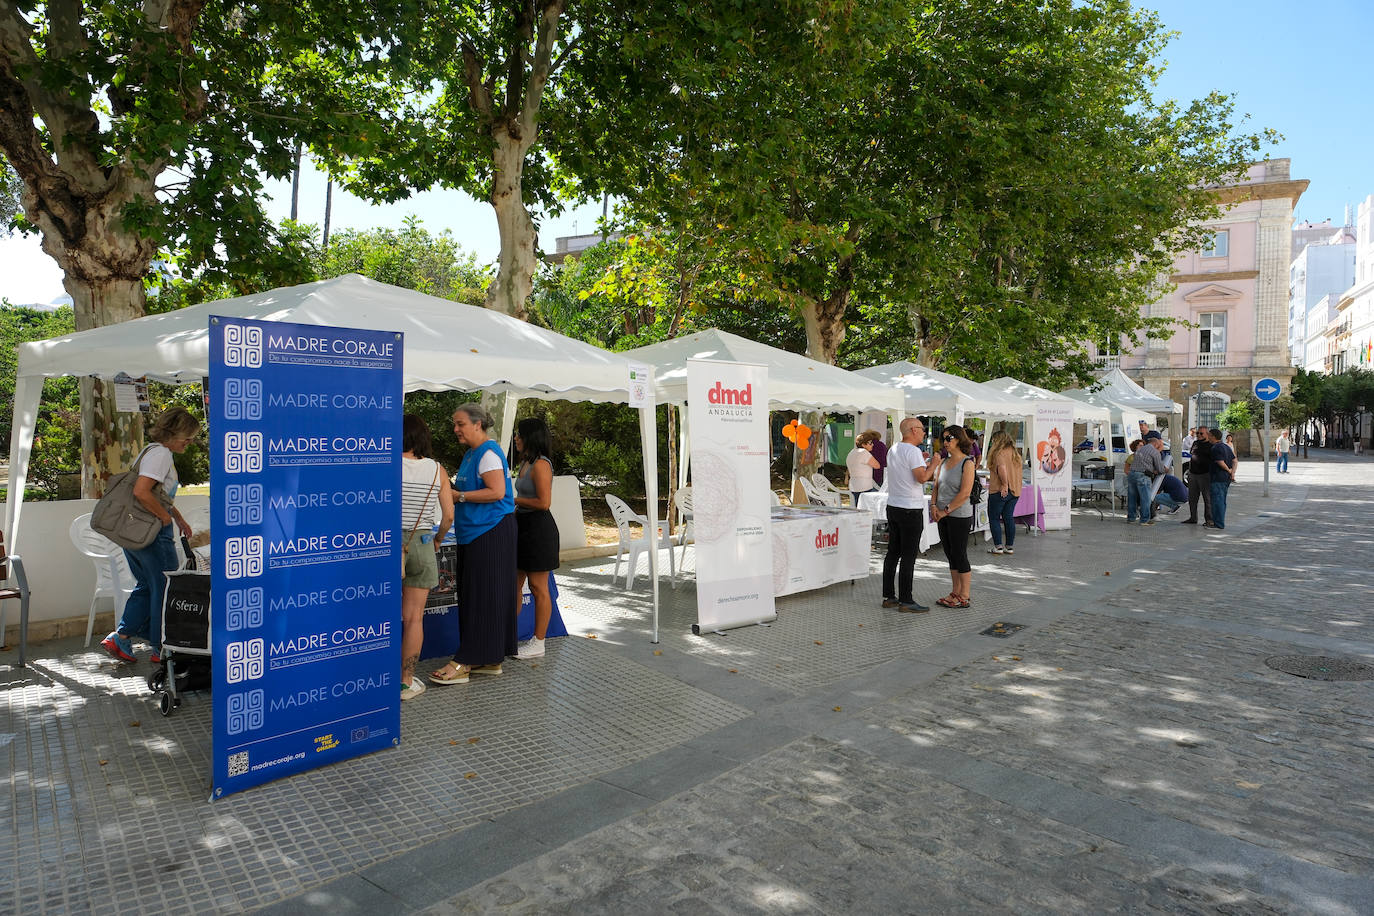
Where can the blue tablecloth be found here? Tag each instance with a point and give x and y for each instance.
(441, 613)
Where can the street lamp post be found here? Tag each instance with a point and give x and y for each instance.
(1359, 430)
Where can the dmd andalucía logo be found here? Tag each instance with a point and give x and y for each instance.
(730, 403)
(827, 541)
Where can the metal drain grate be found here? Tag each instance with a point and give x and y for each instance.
(1321, 667)
(1003, 630)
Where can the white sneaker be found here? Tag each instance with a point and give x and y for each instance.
(994, 550)
(412, 691)
(530, 648)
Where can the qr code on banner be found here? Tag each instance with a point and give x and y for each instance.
(238, 763)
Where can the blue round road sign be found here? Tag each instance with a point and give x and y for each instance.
(1267, 389)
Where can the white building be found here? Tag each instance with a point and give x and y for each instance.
(1324, 267)
(1320, 347)
(1356, 304)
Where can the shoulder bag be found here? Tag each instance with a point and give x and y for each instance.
(121, 517)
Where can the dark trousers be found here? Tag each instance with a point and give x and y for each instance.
(1200, 485)
(903, 543)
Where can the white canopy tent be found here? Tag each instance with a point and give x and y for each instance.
(930, 391)
(795, 382)
(1125, 400)
(1083, 412)
(448, 346)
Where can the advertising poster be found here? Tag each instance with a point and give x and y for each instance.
(305, 425)
(1052, 464)
(727, 406)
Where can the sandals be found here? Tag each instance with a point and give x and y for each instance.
(459, 674)
(953, 602)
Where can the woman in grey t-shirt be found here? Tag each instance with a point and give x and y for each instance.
(953, 513)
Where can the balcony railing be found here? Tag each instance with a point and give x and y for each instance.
(1211, 360)
(1109, 361)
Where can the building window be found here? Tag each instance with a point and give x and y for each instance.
(1209, 404)
(1218, 245)
(1211, 339)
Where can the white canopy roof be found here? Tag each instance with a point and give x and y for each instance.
(795, 382)
(929, 391)
(1116, 391)
(448, 345)
(1082, 411)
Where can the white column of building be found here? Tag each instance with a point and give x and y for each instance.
(1271, 287)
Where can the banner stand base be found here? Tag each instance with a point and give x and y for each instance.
(720, 631)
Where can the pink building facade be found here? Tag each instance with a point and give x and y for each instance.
(1234, 295)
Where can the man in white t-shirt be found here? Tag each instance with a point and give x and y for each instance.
(907, 472)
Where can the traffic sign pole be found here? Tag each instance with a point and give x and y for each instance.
(1266, 448)
(1267, 389)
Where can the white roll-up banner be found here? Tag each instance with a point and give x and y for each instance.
(1053, 463)
(727, 407)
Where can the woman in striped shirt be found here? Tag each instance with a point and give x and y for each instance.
(426, 499)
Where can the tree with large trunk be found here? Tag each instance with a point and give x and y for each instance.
(992, 185)
(142, 128)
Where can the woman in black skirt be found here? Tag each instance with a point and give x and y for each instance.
(536, 552)
(484, 527)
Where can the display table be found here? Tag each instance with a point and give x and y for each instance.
(875, 504)
(1030, 508)
(816, 546)
(441, 609)
(1093, 491)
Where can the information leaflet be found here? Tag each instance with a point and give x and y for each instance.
(728, 416)
(305, 426)
(1052, 461)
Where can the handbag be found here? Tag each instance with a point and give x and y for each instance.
(121, 517)
(413, 528)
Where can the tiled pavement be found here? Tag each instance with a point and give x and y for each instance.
(1128, 751)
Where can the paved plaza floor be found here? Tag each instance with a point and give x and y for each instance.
(1127, 750)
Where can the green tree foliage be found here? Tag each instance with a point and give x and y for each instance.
(57, 431)
(1237, 417)
(139, 127)
(412, 257)
(994, 180)
(653, 285)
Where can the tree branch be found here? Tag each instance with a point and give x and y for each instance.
(479, 95)
(539, 74)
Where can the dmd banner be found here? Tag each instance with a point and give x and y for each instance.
(305, 426)
(727, 411)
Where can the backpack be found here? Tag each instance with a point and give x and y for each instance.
(975, 495)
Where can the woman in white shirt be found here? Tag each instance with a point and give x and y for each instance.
(171, 433)
(862, 464)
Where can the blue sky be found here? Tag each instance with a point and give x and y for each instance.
(1293, 67)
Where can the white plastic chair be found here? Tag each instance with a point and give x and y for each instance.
(682, 500)
(113, 578)
(774, 499)
(823, 485)
(633, 546)
(815, 496)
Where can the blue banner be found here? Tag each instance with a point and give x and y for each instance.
(305, 427)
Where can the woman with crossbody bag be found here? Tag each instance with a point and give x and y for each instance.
(426, 500)
(142, 617)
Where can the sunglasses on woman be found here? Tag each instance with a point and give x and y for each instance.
(948, 438)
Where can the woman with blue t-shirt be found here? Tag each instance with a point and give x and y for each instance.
(484, 527)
